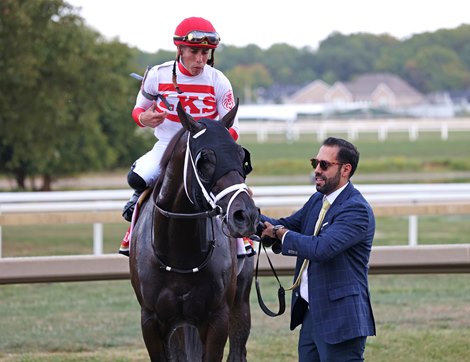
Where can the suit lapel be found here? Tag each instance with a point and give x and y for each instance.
(312, 219)
(343, 196)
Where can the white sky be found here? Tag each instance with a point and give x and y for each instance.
(150, 24)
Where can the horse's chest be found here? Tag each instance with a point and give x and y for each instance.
(184, 303)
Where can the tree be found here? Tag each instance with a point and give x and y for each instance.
(21, 23)
(349, 55)
(229, 57)
(66, 108)
(437, 68)
(246, 78)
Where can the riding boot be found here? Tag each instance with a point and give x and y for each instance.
(124, 248)
(130, 206)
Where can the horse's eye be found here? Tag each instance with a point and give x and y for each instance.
(205, 165)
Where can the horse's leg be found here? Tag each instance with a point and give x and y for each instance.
(215, 335)
(152, 339)
(240, 315)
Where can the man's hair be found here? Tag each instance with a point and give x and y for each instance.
(347, 153)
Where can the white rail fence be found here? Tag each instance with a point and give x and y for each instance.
(104, 206)
(353, 128)
(429, 259)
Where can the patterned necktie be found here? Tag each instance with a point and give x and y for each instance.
(324, 209)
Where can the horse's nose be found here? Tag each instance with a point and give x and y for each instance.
(246, 220)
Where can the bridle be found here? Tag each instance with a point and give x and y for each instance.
(211, 199)
(216, 210)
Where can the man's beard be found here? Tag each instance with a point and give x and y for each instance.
(330, 184)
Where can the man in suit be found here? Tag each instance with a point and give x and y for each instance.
(330, 297)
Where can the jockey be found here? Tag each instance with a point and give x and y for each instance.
(204, 92)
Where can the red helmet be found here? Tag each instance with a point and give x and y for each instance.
(196, 32)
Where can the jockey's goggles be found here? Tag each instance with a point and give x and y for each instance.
(199, 37)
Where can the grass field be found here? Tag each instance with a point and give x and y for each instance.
(427, 154)
(394, 157)
(419, 318)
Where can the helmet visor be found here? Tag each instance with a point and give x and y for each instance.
(199, 37)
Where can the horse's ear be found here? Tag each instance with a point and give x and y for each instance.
(187, 120)
(228, 119)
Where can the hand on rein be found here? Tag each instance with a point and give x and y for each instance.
(263, 235)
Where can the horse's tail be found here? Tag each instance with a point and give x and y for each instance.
(184, 344)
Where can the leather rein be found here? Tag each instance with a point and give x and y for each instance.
(281, 293)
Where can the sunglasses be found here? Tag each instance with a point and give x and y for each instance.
(324, 165)
(199, 37)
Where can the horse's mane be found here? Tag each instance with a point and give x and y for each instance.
(167, 156)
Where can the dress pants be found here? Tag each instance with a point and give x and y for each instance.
(312, 348)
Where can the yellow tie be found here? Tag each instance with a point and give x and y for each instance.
(324, 209)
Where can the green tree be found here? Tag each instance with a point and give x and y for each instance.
(282, 63)
(437, 68)
(229, 57)
(246, 79)
(67, 99)
(349, 55)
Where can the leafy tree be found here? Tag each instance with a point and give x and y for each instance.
(282, 62)
(21, 23)
(435, 67)
(349, 55)
(246, 78)
(431, 61)
(229, 57)
(67, 108)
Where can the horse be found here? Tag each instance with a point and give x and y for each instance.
(192, 288)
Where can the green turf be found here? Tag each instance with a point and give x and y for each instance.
(418, 317)
(397, 154)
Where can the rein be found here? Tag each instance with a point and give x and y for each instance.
(281, 293)
(197, 215)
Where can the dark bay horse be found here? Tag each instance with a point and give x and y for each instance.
(183, 255)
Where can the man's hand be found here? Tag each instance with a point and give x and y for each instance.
(152, 118)
(269, 240)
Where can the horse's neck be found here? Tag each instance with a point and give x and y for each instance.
(178, 230)
(174, 199)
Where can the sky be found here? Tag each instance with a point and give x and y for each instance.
(150, 24)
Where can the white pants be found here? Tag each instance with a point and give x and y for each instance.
(148, 165)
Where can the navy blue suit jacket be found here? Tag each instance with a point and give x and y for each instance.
(339, 298)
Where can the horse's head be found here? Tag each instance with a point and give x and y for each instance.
(215, 172)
